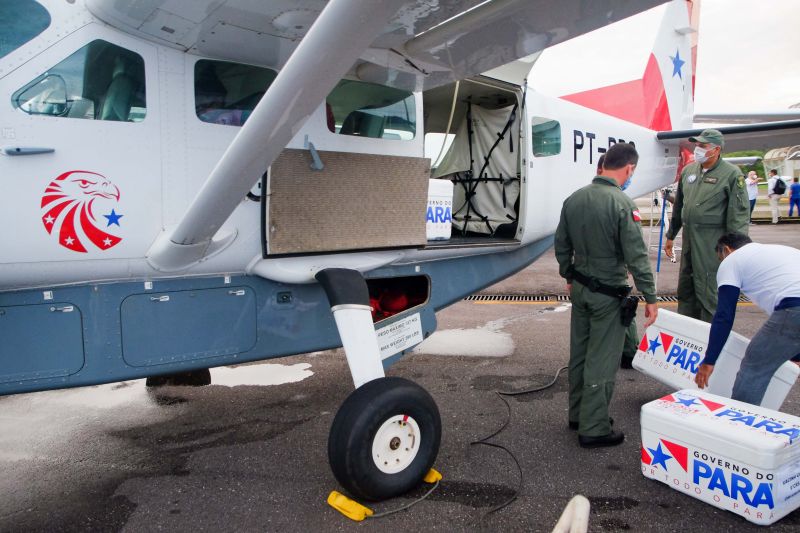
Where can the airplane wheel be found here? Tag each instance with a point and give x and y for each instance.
(384, 439)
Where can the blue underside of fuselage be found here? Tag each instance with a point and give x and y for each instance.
(99, 333)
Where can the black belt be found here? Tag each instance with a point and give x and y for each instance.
(596, 286)
(787, 303)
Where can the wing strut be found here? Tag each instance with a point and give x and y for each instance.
(343, 30)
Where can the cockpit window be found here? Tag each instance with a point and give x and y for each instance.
(20, 21)
(101, 81)
(226, 93)
(371, 110)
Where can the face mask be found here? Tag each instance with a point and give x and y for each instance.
(627, 182)
(700, 154)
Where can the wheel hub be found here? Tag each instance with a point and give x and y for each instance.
(396, 444)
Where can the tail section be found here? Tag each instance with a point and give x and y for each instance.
(663, 97)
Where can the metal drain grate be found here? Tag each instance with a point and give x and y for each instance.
(508, 298)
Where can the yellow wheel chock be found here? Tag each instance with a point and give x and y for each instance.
(355, 511)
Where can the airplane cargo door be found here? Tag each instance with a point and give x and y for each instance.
(354, 178)
(356, 202)
(81, 162)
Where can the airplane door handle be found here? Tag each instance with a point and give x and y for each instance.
(237, 292)
(26, 150)
(62, 309)
(164, 298)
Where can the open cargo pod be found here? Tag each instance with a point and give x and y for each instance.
(483, 160)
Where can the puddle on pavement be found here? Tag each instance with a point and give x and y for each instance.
(486, 341)
(264, 374)
(50, 417)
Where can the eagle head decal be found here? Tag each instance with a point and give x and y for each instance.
(68, 210)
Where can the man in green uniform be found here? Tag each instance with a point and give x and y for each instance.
(598, 239)
(631, 343)
(711, 202)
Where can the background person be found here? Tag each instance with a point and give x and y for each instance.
(597, 240)
(768, 275)
(774, 194)
(794, 196)
(711, 201)
(752, 191)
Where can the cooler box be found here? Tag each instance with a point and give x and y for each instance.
(439, 216)
(673, 348)
(732, 455)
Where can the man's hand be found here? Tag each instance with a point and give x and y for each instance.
(569, 288)
(650, 313)
(668, 249)
(703, 374)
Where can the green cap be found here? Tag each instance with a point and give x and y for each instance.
(709, 136)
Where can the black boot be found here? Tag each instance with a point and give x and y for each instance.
(612, 439)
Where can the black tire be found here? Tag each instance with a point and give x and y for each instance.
(356, 424)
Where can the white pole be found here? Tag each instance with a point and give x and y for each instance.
(575, 518)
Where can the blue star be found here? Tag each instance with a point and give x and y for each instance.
(653, 345)
(677, 64)
(688, 402)
(113, 218)
(659, 457)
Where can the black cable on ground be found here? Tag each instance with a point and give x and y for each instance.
(535, 389)
(484, 441)
(407, 506)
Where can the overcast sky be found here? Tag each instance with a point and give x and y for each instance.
(748, 56)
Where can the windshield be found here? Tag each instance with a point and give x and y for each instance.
(20, 21)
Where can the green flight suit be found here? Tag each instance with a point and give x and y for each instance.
(600, 235)
(708, 204)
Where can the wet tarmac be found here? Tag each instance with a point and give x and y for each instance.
(248, 453)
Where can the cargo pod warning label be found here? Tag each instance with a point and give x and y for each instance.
(399, 335)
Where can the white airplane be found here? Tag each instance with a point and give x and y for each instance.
(206, 183)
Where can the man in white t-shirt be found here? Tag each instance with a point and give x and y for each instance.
(752, 191)
(768, 275)
(774, 197)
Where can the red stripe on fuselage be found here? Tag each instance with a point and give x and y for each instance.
(642, 102)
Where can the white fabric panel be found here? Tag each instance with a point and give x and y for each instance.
(487, 124)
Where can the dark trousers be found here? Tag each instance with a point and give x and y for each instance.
(792, 203)
(596, 339)
(776, 342)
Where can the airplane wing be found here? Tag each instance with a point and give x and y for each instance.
(747, 118)
(746, 160)
(415, 44)
(757, 136)
(423, 44)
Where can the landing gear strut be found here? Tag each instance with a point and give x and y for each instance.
(386, 435)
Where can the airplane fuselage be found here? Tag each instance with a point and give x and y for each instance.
(108, 137)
